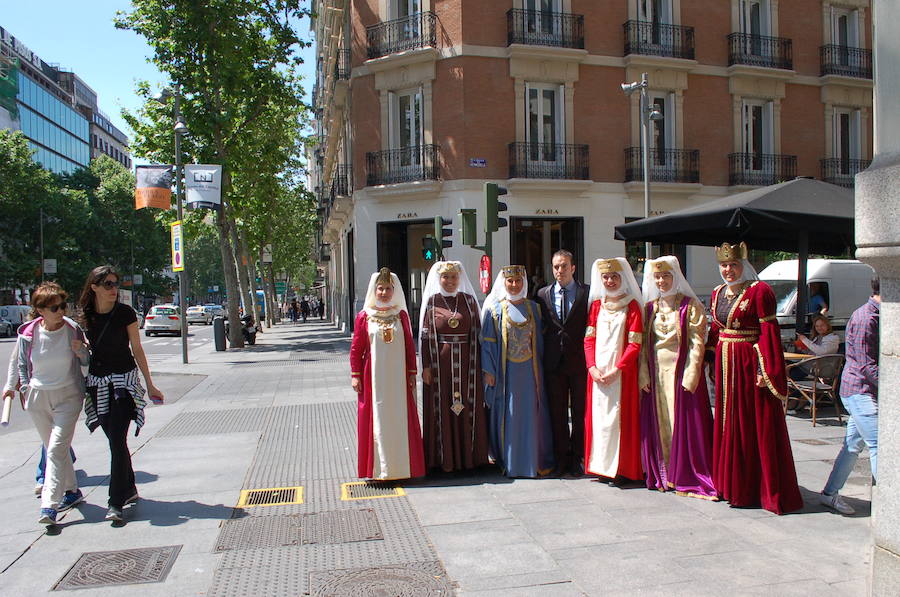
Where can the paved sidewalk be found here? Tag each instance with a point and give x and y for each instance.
(281, 414)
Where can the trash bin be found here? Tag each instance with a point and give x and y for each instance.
(219, 332)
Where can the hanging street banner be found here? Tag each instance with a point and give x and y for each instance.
(153, 187)
(177, 247)
(203, 186)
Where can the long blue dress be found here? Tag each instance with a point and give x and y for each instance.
(511, 351)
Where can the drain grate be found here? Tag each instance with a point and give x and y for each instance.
(367, 490)
(126, 567)
(332, 527)
(418, 578)
(271, 496)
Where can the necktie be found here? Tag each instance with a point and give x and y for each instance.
(564, 308)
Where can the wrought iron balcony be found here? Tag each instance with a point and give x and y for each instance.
(342, 65)
(540, 28)
(666, 165)
(341, 184)
(408, 33)
(656, 39)
(409, 164)
(549, 160)
(842, 172)
(760, 169)
(845, 61)
(759, 50)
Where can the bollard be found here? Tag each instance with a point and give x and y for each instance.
(219, 332)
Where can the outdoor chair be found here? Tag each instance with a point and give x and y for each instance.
(822, 382)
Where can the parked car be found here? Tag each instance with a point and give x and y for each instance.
(163, 319)
(7, 328)
(218, 310)
(200, 314)
(17, 314)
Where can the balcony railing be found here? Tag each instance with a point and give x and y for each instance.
(656, 39)
(759, 50)
(666, 165)
(342, 65)
(408, 33)
(842, 171)
(341, 184)
(760, 169)
(549, 160)
(409, 164)
(540, 28)
(845, 61)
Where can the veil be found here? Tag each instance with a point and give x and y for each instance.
(629, 283)
(498, 291)
(398, 302)
(433, 287)
(679, 283)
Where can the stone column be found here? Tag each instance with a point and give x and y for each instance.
(878, 244)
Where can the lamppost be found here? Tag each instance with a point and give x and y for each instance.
(180, 128)
(648, 112)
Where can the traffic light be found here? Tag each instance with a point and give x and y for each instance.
(441, 233)
(429, 248)
(493, 207)
(467, 227)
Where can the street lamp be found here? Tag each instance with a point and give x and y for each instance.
(648, 112)
(179, 128)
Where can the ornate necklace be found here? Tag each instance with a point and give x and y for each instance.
(453, 322)
(386, 323)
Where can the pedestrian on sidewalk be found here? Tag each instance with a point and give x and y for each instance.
(295, 309)
(383, 374)
(304, 309)
(753, 464)
(115, 395)
(676, 422)
(612, 344)
(454, 416)
(859, 394)
(46, 368)
(321, 309)
(511, 362)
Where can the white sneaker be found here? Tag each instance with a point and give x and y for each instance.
(837, 503)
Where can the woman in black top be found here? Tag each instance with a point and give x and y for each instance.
(115, 394)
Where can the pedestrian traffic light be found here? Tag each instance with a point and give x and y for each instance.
(467, 227)
(429, 248)
(493, 207)
(441, 234)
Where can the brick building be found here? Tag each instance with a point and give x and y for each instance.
(419, 102)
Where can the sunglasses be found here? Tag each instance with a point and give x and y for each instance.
(109, 284)
(55, 308)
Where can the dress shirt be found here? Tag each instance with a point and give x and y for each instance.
(571, 289)
(860, 374)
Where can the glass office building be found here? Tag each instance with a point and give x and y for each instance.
(58, 133)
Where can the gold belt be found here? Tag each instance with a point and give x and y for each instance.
(727, 337)
(453, 338)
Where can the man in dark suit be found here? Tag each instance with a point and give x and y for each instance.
(565, 310)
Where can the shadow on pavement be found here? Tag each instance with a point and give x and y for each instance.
(485, 475)
(85, 480)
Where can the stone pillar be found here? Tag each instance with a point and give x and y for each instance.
(878, 244)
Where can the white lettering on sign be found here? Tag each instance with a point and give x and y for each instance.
(546, 212)
(407, 215)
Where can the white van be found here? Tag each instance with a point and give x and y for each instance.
(844, 285)
(17, 314)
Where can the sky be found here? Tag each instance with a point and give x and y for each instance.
(79, 35)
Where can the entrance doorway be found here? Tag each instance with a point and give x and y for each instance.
(400, 249)
(534, 240)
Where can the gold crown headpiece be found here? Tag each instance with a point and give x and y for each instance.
(660, 266)
(729, 252)
(384, 277)
(513, 271)
(449, 267)
(609, 266)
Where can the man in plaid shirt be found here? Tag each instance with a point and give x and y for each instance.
(859, 394)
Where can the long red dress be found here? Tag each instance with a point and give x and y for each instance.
(752, 460)
(382, 405)
(612, 423)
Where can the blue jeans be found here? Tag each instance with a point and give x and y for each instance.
(862, 430)
(42, 465)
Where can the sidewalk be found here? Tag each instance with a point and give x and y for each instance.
(282, 414)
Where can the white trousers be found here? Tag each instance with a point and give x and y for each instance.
(55, 414)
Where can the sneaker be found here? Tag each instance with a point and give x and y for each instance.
(114, 514)
(70, 500)
(48, 516)
(38, 489)
(837, 503)
(133, 499)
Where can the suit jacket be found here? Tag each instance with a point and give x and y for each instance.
(564, 341)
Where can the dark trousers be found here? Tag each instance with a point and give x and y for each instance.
(121, 474)
(566, 393)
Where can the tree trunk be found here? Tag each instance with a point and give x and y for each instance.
(276, 312)
(264, 282)
(251, 275)
(243, 278)
(232, 290)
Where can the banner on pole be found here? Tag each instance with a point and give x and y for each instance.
(177, 247)
(203, 186)
(153, 187)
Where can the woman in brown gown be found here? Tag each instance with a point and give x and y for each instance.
(454, 415)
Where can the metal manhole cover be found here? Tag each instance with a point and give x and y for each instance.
(332, 527)
(270, 496)
(366, 490)
(126, 567)
(419, 579)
